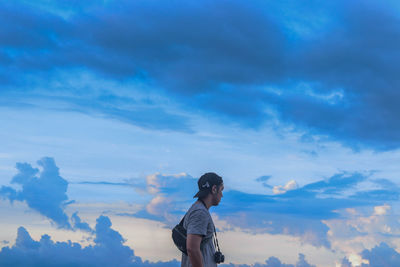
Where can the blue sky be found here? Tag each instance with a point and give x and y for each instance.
(111, 110)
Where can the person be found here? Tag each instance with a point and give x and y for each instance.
(199, 224)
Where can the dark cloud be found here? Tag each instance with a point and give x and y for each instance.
(358, 59)
(263, 180)
(108, 250)
(332, 186)
(78, 224)
(382, 255)
(346, 263)
(379, 256)
(231, 33)
(45, 193)
(331, 71)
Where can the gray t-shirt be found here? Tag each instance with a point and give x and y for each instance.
(198, 221)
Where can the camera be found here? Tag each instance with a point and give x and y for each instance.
(219, 257)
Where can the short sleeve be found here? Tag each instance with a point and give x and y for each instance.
(197, 222)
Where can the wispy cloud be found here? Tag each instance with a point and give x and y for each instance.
(263, 180)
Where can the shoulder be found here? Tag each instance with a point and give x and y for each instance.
(197, 211)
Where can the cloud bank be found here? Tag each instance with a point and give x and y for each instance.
(298, 211)
(108, 250)
(331, 72)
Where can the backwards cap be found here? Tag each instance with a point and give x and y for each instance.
(206, 182)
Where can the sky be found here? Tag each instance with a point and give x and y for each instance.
(111, 110)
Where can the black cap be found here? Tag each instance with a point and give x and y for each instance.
(206, 182)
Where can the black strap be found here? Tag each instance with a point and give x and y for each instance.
(215, 239)
(181, 223)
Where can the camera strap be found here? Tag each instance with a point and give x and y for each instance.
(215, 239)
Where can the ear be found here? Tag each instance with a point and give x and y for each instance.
(214, 189)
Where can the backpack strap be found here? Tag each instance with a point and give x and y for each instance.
(183, 218)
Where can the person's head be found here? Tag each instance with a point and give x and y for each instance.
(210, 186)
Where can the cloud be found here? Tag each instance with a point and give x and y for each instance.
(263, 180)
(107, 250)
(78, 224)
(345, 263)
(171, 195)
(145, 115)
(321, 72)
(378, 256)
(303, 211)
(357, 229)
(45, 193)
(279, 189)
(105, 183)
(381, 255)
(275, 262)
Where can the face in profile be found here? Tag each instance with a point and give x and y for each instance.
(218, 195)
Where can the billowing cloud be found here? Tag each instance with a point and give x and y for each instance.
(378, 256)
(322, 72)
(108, 250)
(45, 193)
(381, 255)
(171, 195)
(275, 262)
(359, 228)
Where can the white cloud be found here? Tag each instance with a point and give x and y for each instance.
(157, 181)
(358, 229)
(381, 210)
(159, 205)
(260, 246)
(279, 189)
